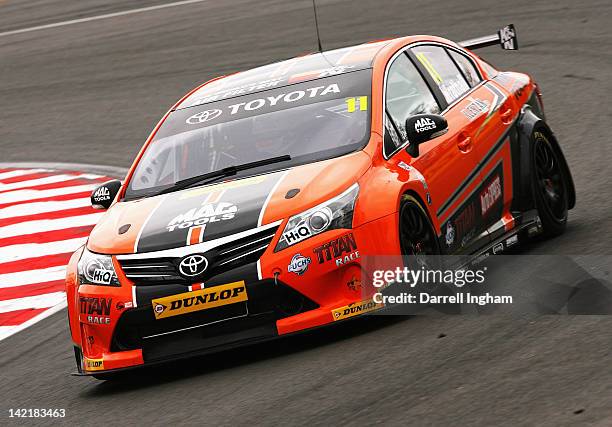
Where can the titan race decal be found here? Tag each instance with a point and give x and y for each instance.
(482, 208)
(95, 311)
(213, 211)
(342, 250)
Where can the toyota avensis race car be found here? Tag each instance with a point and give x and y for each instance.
(248, 211)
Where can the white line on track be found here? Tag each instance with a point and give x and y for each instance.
(43, 225)
(37, 301)
(25, 251)
(20, 172)
(98, 17)
(32, 277)
(53, 179)
(25, 209)
(21, 195)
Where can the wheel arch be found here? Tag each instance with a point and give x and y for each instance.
(528, 123)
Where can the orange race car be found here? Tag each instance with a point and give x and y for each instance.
(248, 211)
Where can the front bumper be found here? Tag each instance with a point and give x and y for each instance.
(279, 303)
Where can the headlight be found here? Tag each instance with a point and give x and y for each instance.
(97, 269)
(332, 214)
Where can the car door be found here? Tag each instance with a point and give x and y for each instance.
(446, 163)
(491, 113)
(459, 212)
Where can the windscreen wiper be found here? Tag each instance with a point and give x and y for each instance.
(227, 171)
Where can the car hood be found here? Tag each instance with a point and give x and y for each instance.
(206, 213)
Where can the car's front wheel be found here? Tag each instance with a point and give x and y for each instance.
(418, 238)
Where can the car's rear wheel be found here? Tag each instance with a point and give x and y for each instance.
(549, 186)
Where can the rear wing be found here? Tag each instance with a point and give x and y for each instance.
(506, 37)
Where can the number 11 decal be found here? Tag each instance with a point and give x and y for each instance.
(352, 104)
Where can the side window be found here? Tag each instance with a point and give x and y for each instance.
(392, 139)
(443, 71)
(468, 68)
(407, 94)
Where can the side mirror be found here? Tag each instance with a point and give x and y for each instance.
(102, 197)
(423, 127)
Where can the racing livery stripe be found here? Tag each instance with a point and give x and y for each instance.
(220, 210)
(195, 235)
(475, 173)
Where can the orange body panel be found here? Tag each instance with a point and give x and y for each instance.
(443, 177)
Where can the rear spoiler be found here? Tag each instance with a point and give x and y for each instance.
(506, 37)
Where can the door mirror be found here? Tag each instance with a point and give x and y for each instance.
(102, 197)
(421, 128)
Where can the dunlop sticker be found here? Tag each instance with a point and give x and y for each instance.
(204, 299)
(93, 364)
(355, 309)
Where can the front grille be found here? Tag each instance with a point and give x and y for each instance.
(157, 271)
(152, 271)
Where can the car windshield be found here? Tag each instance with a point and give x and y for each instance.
(309, 121)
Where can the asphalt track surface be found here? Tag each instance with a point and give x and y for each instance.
(91, 92)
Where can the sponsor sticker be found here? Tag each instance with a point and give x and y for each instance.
(101, 194)
(490, 195)
(342, 250)
(206, 214)
(95, 311)
(475, 108)
(102, 276)
(354, 284)
(299, 264)
(300, 233)
(424, 124)
(93, 364)
(124, 305)
(203, 299)
(281, 98)
(355, 309)
(203, 116)
(507, 37)
(511, 241)
(498, 248)
(450, 234)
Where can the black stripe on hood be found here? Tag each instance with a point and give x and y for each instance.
(222, 209)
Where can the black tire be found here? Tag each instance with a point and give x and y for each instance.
(417, 234)
(549, 185)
